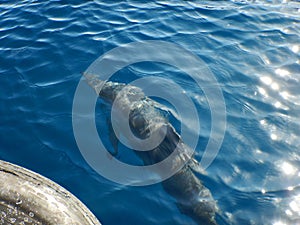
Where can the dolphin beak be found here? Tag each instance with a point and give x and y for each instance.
(91, 79)
(94, 81)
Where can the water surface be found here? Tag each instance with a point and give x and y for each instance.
(253, 49)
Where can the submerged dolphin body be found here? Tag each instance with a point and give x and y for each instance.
(192, 197)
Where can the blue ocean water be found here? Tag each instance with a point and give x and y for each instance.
(253, 50)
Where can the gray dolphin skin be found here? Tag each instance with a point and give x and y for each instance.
(192, 197)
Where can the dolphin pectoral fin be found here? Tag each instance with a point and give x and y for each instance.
(113, 139)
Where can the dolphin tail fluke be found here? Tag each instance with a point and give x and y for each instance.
(201, 217)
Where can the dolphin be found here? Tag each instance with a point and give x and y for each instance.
(192, 197)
